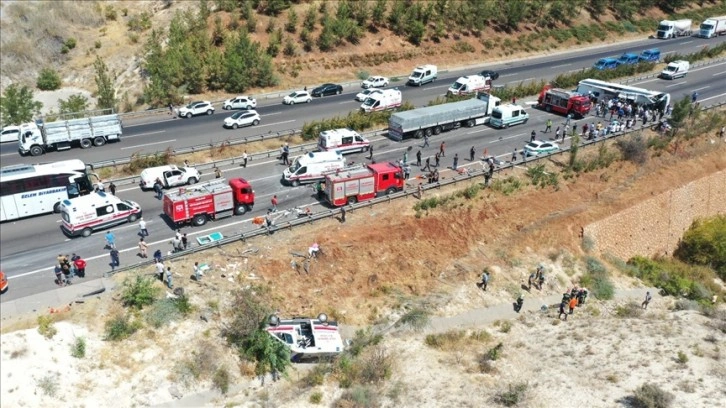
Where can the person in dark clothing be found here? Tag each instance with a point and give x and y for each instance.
(112, 187)
(418, 158)
(342, 214)
(370, 153)
(472, 152)
(438, 158)
(427, 167)
(562, 311)
(157, 255)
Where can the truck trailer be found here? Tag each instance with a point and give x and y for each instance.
(435, 119)
(38, 138)
(713, 27)
(209, 201)
(363, 183)
(674, 28)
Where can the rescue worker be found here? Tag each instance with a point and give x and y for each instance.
(520, 303)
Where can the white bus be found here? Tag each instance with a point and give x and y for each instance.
(33, 189)
(601, 90)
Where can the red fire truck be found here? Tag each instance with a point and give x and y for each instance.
(564, 102)
(349, 186)
(209, 201)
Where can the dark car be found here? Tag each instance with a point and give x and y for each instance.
(327, 89)
(491, 74)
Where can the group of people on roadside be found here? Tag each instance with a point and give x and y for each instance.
(571, 299)
(69, 267)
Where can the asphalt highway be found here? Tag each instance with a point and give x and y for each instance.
(29, 246)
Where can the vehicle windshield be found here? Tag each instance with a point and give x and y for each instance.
(670, 68)
(191, 105)
(237, 115)
(295, 166)
(293, 95)
(706, 27)
(416, 74)
(371, 79)
(497, 114)
(663, 27)
(457, 85)
(129, 203)
(369, 102)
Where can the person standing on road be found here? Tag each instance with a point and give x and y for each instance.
(244, 159)
(80, 266)
(405, 157)
(370, 152)
(533, 136)
(143, 248)
(647, 300)
(514, 155)
(110, 240)
(217, 172)
(472, 152)
(456, 161)
(427, 167)
(418, 158)
(184, 241)
(115, 259)
(426, 141)
(58, 275)
(567, 122)
(157, 255)
(158, 189)
(319, 190)
(273, 201)
(142, 228)
(548, 127)
(442, 149)
(557, 133)
(437, 157)
(112, 188)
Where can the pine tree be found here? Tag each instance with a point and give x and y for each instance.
(104, 83)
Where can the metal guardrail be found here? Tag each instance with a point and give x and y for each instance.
(330, 212)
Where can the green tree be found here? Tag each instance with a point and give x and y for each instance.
(290, 48)
(396, 19)
(275, 43)
(271, 356)
(17, 105)
(76, 104)
(704, 243)
(416, 31)
(215, 72)
(48, 80)
(344, 11)
(378, 15)
(218, 33)
(326, 39)
(274, 7)
(104, 83)
(360, 13)
(597, 7)
(310, 18)
(291, 25)
(515, 13)
(681, 111)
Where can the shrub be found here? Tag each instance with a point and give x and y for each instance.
(120, 327)
(48, 80)
(377, 366)
(513, 395)
(362, 340)
(140, 22)
(45, 327)
(48, 385)
(448, 340)
(316, 397)
(316, 376)
(507, 186)
(358, 397)
(78, 348)
(542, 178)
(110, 13)
(682, 358)
(221, 379)
(629, 310)
(70, 43)
(676, 278)
(162, 312)
(97, 44)
(597, 280)
(703, 244)
(633, 148)
(139, 292)
(363, 75)
(416, 319)
(505, 326)
(651, 396)
(249, 309)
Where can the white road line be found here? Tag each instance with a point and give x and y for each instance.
(344, 102)
(560, 66)
(147, 144)
(521, 80)
(8, 154)
(687, 42)
(144, 124)
(703, 87)
(439, 86)
(506, 138)
(719, 73)
(276, 123)
(680, 83)
(485, 128)
(712, 97)
(144, 134)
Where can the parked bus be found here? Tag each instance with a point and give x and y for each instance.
(33, 189)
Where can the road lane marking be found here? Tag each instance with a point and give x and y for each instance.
(680, 83)
(719, 73)
(703, 87)
(148, 144)
(276, 123)
(521, 80)
(149, 123)
(8, 154)
(344, 102)
(686, 42)
(712, 97)
(439, 86)
(560, 66)
(145, 134)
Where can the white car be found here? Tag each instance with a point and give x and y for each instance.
(10, 134)
(240, 102)
(375, 82)
(297, 97)
(241, 119)
(364, 94)
(540, 147)
(196, 108)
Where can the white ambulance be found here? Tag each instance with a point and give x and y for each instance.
(85, 214)
(470, 84)
(313, 167)
(342, 140)
(384, 100)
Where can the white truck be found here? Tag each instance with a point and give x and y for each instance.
(674, 28)
(713, 27)
(435, 119)
(675, 69)
(37, 139)
(343, 140)
(423, 75)
(470, 84)
(380, 101)
(313, 167)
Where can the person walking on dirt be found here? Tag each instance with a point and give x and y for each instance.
(418, 158)
(647, 300)
(342, 214)
(169, 283)
(541, 281)
(548, 127)
(484, 281)
(519, 303)
(184, 241)
(143, 248)
(562, 311)
(160, 269)
(573, 304)
(442, 149)
(197, 272)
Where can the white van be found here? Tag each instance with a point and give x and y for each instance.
(313, 167)
(343, 141)
(10, 134)
(380, 101)
(170, 176)
(470, 84)
(423, 75)
(676, 69)
(508, 115)
(85, 214)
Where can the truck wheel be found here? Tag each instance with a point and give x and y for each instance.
(199, 220)
(99, 141)
(36, 151)
(86, 232)
(255, 122)
(390, 190)
(428, 132)
(192, 180)
(352, 200)
(470, 123)
(437, 130)
(133, 217)
(296, 183)
(56, 207)
(86, 143)
(548, 108)
(418, 134)
(241, 209)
